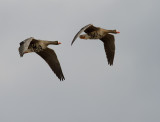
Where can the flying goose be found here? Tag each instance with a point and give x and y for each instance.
(104, 35)
(40, 47)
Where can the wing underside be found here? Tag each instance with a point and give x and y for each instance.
(109, 47)
(82, 30)
(51, 58)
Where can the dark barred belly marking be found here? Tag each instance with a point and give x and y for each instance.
(36, 47)
(95, 35)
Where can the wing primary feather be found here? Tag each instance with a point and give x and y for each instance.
(82, 30)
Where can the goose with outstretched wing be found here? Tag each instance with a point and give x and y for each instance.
(40, 47)
(104, 35)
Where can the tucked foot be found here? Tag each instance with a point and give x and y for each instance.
(82, 37)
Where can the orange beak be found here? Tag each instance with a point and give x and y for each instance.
(117, 31)
(59, 43)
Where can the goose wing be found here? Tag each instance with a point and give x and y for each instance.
(24, 45)
(51, 58)
(109, 46)
(82, 30)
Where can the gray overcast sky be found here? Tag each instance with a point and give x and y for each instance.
(93, 91)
